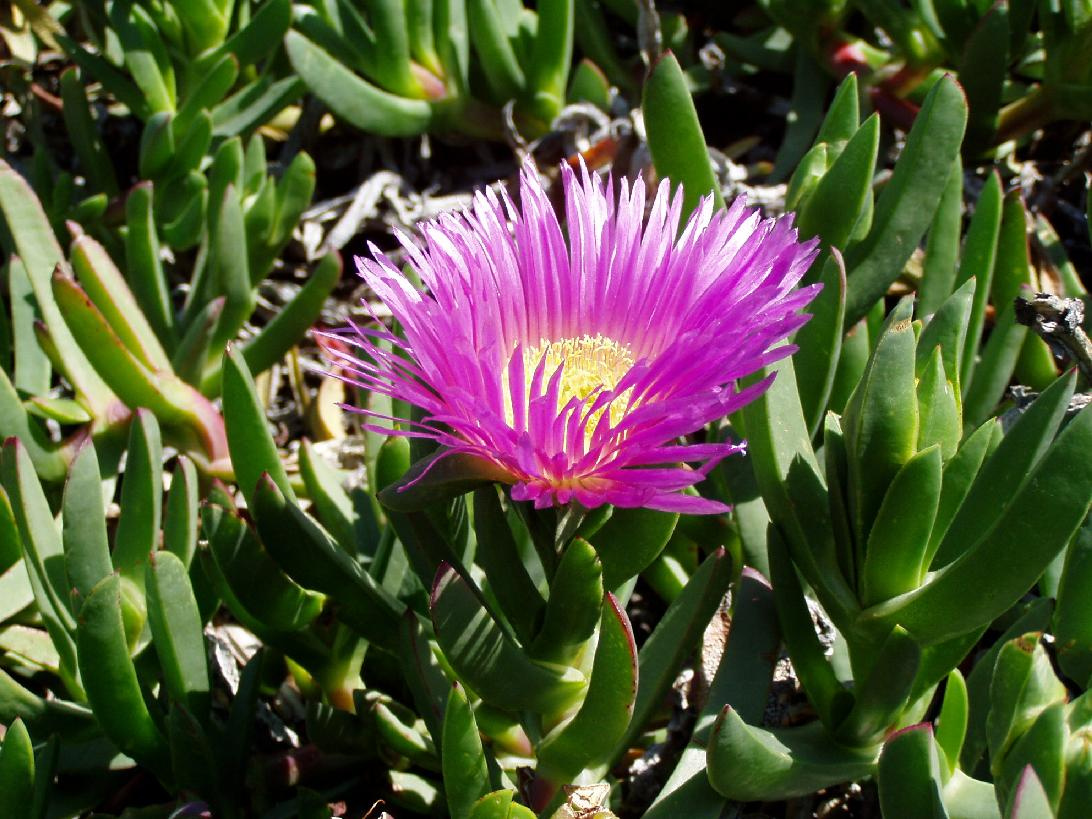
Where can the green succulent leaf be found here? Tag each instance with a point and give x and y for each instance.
(592, 735)
(141, 498)
(951, 723)
(32, 366)
(94, 160)
(1073, 613)
(881, 419)
(498, 554)
(113, 689)
(250, 443)
(1034, 526)
(1022, 689)
(831, 700)
(909, 775)
(16, 770)
(177, 633)
(551, 56)
(41, 254)
(977, 261)
(679, 629)
(675, 138)
(1029, 798)
(354, 99)
(500, 805)
(465, 771)
(1002, 474)
(438, 477)
(942, 246)
(572, 610)
(906, 206)
(1043, 747)
(311, 558)
(488, 661)
(256, 581)
(86, 546)
(754, 764)
(834, 205)
(146, 279)
(42, 553)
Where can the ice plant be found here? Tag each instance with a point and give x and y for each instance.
(574, 361)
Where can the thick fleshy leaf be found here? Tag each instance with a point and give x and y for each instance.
(909, 775)
(113, 689)
(503, 73)
(790, 479)
(906, 206)
(498, 554)
(1035, 617)
(982, 73)
(591, 737)
(942, 246)
(977, 261)
(426, 680)
(1043, 746)
(572, 610)
(947, 330)
(355, 100)
(94, 160)
(48, 459)
(333, 506)
(551, 56)
(881, 419)
(500, 805)
(141, 498)
(172, 401)
(177, 633)
(16, 771)
(37, 247)
(939, 417)
(45, 716)
(629, 541)
(675, 138)
(439, 477)
(144, 267)
(256, 581)
(465, 771)
(310, 557)
(1002, 474)
(1037, 524)
(86, 546)
(249, 440)
(33, 369)
(181, 516)
(899, 537)
(831, 700)
(835, 204)
(488, 661)
(1073, 613)
(42, 552)
(1022, 689)
(675, 636)
(880, 698)
(820, 343)
(754, 764)
(951, 723)
(1029, 798)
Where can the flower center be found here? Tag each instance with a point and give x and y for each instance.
(592, 364)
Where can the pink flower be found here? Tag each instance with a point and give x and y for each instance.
(576, 364)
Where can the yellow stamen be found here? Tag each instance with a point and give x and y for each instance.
(592, 364)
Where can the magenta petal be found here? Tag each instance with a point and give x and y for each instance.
(693, 311)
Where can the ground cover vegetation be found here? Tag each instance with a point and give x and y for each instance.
(587, 408)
